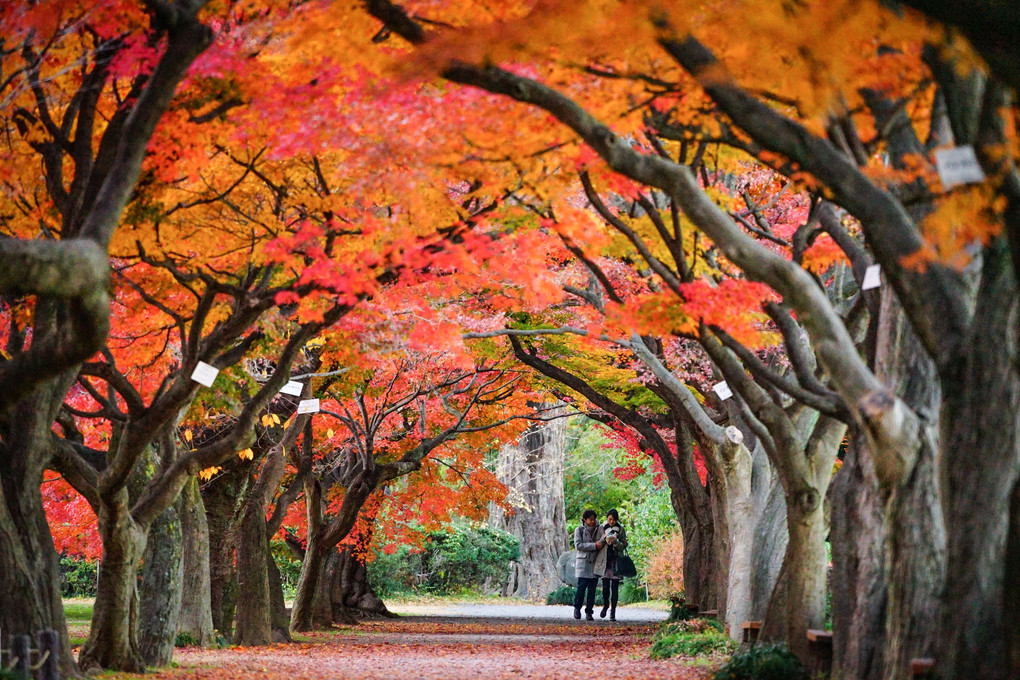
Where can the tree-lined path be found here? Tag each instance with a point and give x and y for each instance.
(451, 642)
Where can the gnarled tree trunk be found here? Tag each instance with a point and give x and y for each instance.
(351, 595)
(532, 470)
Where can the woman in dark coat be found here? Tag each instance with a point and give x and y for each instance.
(616, 541)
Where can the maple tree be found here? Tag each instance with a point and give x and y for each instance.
(914, 228)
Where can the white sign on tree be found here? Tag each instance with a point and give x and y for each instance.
(204, 374)
(293, 387)
(308, 406)
(958, 166)
(722, 390)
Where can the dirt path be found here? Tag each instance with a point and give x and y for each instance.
(465, 642)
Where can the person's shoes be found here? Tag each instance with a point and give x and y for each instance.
(589, 616)
(612, 613)
(577, 612)
(602, 614)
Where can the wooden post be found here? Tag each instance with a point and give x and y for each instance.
(49, 655)
(21, 655)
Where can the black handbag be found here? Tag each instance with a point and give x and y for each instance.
(624, 566)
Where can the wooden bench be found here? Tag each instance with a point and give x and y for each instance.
(751, 630)
(920, 668)
(820, 647)
(709, 614)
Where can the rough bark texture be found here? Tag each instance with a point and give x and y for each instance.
(253, 621)
(770, 536)
(532, 470)
(278, 614)
(160, 589)
(195, 619)
(223, 499)
(351, 595)
(888, 539)
(859, 578)
(30, 567)
(112, 639)
(980, 467)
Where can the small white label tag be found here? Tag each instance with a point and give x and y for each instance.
(204, 374)
(958, 166)
(872, 277)
(722, 390)
(308, 406)
(293, 387)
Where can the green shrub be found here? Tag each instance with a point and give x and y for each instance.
(185, 639)
(764, 662)
(565, 595)
(452, 561)
(78, 577)
(691, 644)
(632, 590)
(691, 626)
(288, 564)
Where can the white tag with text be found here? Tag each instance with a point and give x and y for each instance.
(308, 406)
(958, 166)
(204, 374)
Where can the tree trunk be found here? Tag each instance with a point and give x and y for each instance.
(223, 498)
(802, 605)
(254, 618)
(770, 536)
(889, 541)
(161, 583)
(859, 575)
(351, 595)
(302, 614)
(30, 586)
(1013, 584)
(278, 615)
(532, 470)
(980, 467)
(196, 608)
(253, 621)
(112, 642)
(29, 566)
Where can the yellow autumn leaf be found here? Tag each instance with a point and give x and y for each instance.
(188, 436)
(329, 433)
(266, 420)
(246, 454)
(207, 473)
(276, 419)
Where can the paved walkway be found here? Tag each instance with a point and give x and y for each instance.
(519, 613)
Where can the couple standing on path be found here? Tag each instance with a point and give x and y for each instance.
(598, 547)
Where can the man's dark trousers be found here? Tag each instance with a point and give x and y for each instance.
(589, 585)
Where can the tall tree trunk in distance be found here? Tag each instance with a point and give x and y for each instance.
(532, 470)
(160, 589)
(195, 619)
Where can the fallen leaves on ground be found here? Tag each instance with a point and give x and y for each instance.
(415, 648)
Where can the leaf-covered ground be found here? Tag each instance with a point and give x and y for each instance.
(420, 647)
